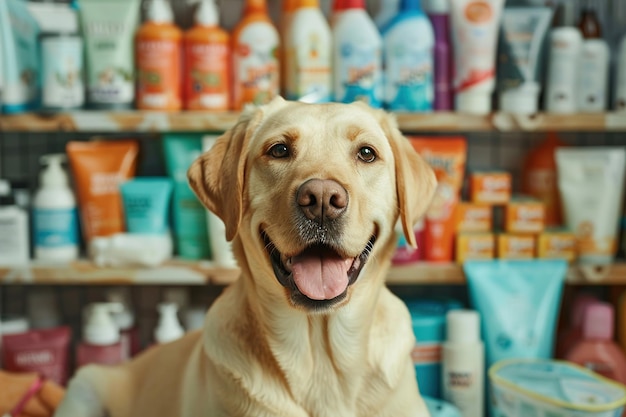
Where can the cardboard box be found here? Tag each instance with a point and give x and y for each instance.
(511, 246)
(473, 218)
(557, 244)
(475, 246)
(490, 187)
(524, 215)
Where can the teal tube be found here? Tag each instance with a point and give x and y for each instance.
(190, 220)
(146, 205)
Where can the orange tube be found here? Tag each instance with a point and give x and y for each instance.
(98, 169)
(447, 157)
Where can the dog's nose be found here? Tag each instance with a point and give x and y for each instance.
(322, 199)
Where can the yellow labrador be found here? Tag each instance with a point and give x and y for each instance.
(310, 195)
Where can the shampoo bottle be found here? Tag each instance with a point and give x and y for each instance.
(14, 240)
(439, 13)
(169, 327)
(158, 60)
(256, 49)
(308, 45)
(207, 62)
(593, 76)
(463, 357)
(357, 55)
(597, 350)
(408, 43)
(102, 342)
(55, 220)
(562, 79)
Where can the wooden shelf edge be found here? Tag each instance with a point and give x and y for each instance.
(188, 121)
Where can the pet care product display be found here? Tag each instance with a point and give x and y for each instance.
(439, 13)
(520, 58)
(573, 332)
(463, 363)
(561, 95)
(131, 250)
(20, 57)
(544, 387)
(539, 178)
(158, 58)
(592, 212)
(45, 352)
(189, 215)
(43, 308)
(516, 246)
(55, 219)
(490, 187)
(596, 349)
(14, 231)
(524, 215)
(125, 321)
(146, 205)
(475, 25)
(518, 302)
(221, 249)
(620, 94)
(357, 55)
(408, 42)
(473, 217)
(593, 76)
(475, 246)
(557, 244)
(308, 54)
(255, 55)
(98, 168)
(11, 325)
(169, 328)
(447, 157)
(206, 49)
(108, 29)
(101, 342)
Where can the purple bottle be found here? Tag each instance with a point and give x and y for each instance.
(439, 13)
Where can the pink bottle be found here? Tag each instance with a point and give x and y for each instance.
(597, 350)
(571, 335)
(102, 341)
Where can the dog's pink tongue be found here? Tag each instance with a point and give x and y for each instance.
(320, 276)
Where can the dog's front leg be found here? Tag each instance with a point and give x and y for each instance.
(405, 400)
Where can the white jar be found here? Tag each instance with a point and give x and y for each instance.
(562, 79)
(593, 76)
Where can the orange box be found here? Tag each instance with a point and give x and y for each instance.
(473, 217)
(524, 215)
(512, 246)
(557, 244)
(475, 246)
(490, 187)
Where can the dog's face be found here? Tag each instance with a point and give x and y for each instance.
(314, 191)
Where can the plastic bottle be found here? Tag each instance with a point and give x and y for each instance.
(388, 9)
(158, 51)
(14, 238)
(308, 46)
(539, 178)
(169, 327)
(593, 76)
(125, 322)
(55, 220)
(357, 55)
(597, 350)
(101, 337)
(256, 66)
(562, 79)
(463, 357)
(620, 95)
(408, 43)
(206, 47)
(439, 13)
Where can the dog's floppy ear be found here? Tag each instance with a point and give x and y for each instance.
(415, 179)
(217, 176)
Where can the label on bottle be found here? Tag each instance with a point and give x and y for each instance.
(13, 232)
(463, 382)
(207, 78)
(358, 73)
(158, 74)
(593, 77)
(62, 68)
(55, 228)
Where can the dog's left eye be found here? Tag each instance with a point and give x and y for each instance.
(280, 150)
(367, 154)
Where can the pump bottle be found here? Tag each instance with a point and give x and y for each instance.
(102, 342)
(14, 241)
(169, 327)
(55, 222)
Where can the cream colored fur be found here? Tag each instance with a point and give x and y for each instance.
(260, 354)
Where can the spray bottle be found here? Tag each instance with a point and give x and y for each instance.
(55, 222)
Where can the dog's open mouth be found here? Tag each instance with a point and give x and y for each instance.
(318, 274)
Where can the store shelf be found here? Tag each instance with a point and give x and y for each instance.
(181, 272)
(149, 121)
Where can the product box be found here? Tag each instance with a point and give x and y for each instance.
(472, 246)
(490, 187)
(557, 244)
(473, 217)
(511, 246)
(524, 215)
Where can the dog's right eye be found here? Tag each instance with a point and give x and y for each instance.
(280, 150)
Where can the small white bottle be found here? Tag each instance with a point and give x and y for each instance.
(593, 76)
(14, 238)
(620, 94)
(169, 327)
(463, 363)
(101, 337)
(562, 80)
(55, 222)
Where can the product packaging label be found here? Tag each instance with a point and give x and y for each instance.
(358, 73)
(62, 66)
(475, 246)
(556, 245)
(309, 72)
(524, 216)
(10, 232)
(158, 74)
(516, 246)
(593, 76)
(471, 217)
(207, 83)
(490, 187)
(55, 228)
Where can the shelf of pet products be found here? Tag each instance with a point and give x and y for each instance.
(182, 272)
(195, 121)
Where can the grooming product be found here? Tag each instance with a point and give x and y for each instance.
(11, 325)
(593, 76)
(557, 244)
(101, 337)
(169, 328)
(146, 205)
(439, 13)
(475, 246)
(516, 246)
(490, 187)
(473, 217)
(523, 215)
(563, 67)
(14, 233)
